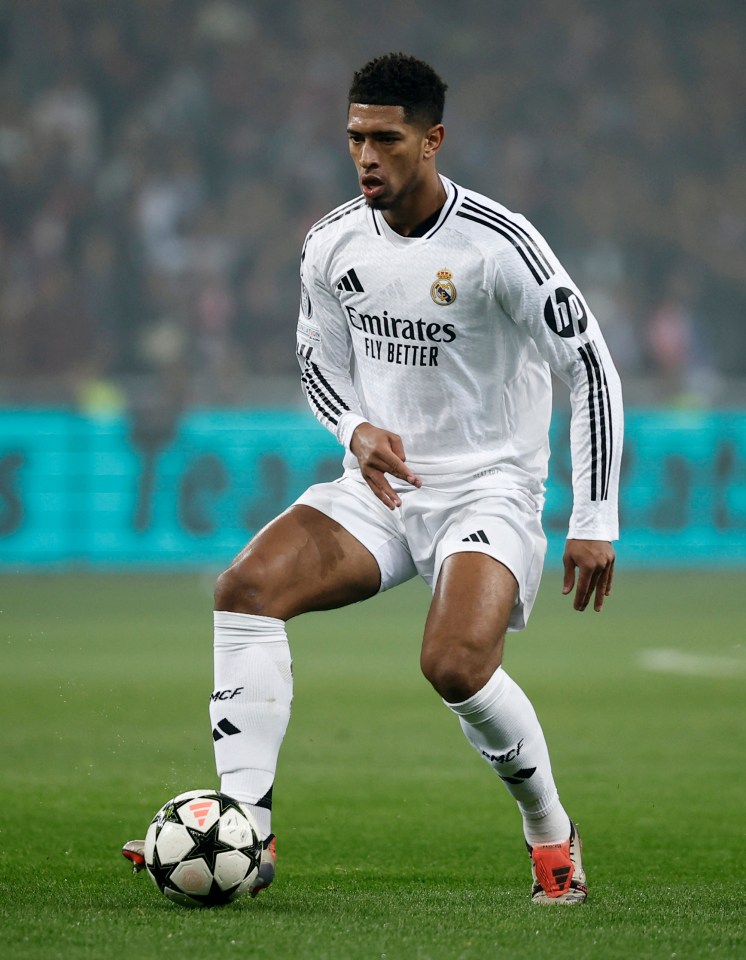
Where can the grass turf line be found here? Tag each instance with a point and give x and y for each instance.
(396, 840)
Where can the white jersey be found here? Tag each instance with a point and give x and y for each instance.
(448, 340)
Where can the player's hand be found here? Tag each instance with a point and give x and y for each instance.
(380, 452)
(594, 560)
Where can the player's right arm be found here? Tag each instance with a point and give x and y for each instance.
(324, 351)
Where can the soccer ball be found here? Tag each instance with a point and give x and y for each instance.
(202, 849)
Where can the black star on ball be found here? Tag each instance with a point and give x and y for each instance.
(207, 845)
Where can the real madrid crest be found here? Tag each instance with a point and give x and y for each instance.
(443, 291)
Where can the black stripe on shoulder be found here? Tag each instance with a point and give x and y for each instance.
(332, 217)
(504, 233)
(517, 230)
(343, 212)
(333, 214)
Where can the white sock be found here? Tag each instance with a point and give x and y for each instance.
(501, 724)
(250, 706)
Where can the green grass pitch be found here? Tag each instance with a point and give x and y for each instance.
(396, 841)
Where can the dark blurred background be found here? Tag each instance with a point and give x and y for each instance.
(161, 160)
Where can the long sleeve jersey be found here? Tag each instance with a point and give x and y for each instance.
(448, 340)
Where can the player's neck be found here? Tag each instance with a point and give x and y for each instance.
(417, 207)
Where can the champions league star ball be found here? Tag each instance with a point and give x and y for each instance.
(202, 849)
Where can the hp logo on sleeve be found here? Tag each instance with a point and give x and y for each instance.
(565, 313)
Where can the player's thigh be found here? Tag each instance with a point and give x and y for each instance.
(505, 526)
(465, 629)
(303, 560)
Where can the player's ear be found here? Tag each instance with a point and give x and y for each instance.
(433, 139)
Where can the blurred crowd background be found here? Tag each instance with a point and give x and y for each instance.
(161, 161)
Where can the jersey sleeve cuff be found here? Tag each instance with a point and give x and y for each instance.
(347, 425)
(595, 533)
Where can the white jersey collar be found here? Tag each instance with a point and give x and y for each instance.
(382, 228)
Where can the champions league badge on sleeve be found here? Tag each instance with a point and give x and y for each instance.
(305, 302)
(443, 291)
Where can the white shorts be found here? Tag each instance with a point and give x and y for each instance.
(459, 515)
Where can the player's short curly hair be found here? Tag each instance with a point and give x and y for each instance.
(400, 80)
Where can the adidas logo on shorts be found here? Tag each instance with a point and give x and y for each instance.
(480, 535)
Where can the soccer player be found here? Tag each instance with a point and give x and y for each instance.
(430, 319)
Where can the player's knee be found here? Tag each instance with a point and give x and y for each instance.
(457, 670)
(244, 587)
(452, 678)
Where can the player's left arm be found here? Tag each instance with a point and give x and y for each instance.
(536, 291)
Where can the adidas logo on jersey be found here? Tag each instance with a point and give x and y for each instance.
(350, 283)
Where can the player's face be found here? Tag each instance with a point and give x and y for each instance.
(390, 155)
